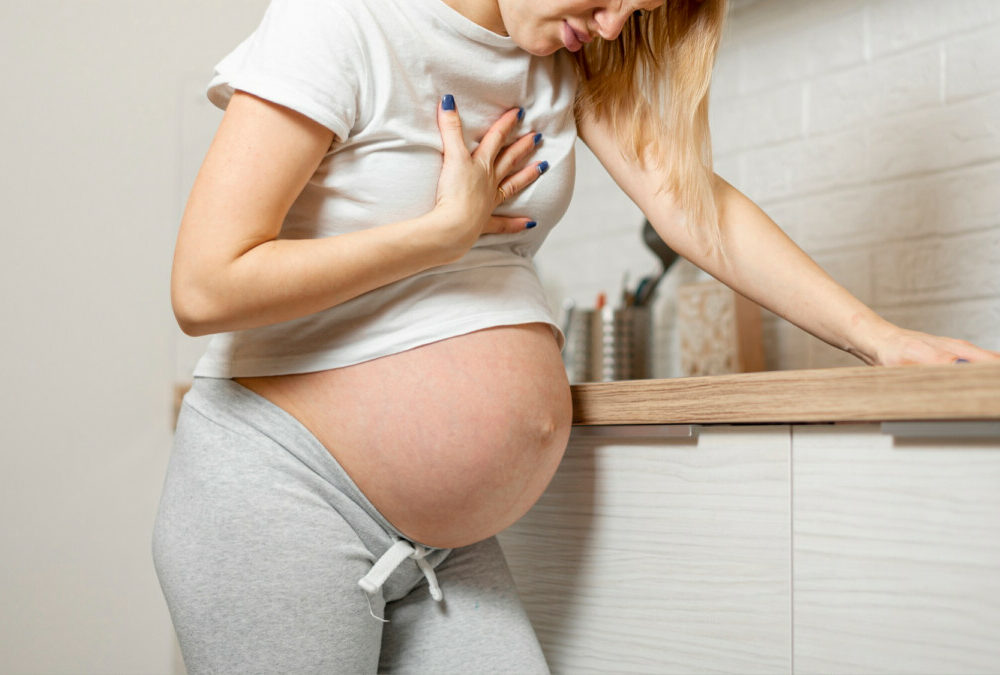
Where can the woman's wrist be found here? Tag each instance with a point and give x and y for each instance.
(441, 229)
(870, 336)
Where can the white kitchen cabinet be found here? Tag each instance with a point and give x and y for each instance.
(896, 552)
(664, 556)
(767, 549)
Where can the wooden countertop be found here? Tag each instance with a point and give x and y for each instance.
(968, 391)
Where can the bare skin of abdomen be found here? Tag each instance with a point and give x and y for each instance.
(452, 441)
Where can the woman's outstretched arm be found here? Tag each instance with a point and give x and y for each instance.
(230, 270)
(762, 263)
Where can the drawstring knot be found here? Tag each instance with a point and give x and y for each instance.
(372, 582)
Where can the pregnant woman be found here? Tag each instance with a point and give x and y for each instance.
(383, 391)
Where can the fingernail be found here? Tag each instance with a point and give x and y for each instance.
(520, 114)
(530, 224)
(538, 139)
(961, 360)
(448, 102)
(543, 167)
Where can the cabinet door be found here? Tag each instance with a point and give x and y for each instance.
(662, 557)
(897, 553)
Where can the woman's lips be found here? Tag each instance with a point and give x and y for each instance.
(572, 39)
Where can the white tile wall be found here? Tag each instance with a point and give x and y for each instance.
(870, 132)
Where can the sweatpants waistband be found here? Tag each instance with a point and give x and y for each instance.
(230, 403)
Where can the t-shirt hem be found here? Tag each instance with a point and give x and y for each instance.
(325, 360)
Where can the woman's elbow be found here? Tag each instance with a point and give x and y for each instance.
(192, 308)
(187, 320)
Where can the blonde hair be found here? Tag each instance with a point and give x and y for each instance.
(652, 84)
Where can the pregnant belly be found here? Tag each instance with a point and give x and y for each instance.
(452, 441)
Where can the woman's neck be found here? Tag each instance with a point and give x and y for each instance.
(484, 12)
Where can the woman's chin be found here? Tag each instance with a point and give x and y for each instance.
(538, 46)
(541, 49)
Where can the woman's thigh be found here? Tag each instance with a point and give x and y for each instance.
(480, 627)
(259, 572)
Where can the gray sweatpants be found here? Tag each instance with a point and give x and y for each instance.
(260, 543)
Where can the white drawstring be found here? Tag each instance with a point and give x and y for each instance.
(372, 582)
(420, 555)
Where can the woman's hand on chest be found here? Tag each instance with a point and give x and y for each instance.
(473, 184)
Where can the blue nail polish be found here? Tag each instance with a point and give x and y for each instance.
(961, 360)
(543, 167)
(448, 102)
(530, 224)
(538, 139)
(520, 114)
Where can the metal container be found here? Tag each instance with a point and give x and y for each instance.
(577, 351)
(607, 345)
(620, 344)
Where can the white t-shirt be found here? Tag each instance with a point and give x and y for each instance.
(373, 72)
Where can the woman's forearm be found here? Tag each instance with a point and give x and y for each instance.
(762, 263)
(284, 279)
(231, 269)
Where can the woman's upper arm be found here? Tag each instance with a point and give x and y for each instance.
(645, 185)
(262, 156)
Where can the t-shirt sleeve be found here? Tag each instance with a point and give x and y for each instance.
(304, 55)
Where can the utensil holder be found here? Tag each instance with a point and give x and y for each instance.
(577, 351)
(620, 344)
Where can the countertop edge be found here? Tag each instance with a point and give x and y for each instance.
(862, 394)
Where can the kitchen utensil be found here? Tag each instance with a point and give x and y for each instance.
(667, 256)
(640, 291)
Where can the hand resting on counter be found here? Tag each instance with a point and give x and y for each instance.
(900, 347)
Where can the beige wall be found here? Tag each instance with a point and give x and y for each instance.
(93, 145)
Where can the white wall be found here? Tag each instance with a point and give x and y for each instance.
(870, 132)
(92, 146)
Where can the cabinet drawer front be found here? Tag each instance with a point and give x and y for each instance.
(662, 556)
(897, 552)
